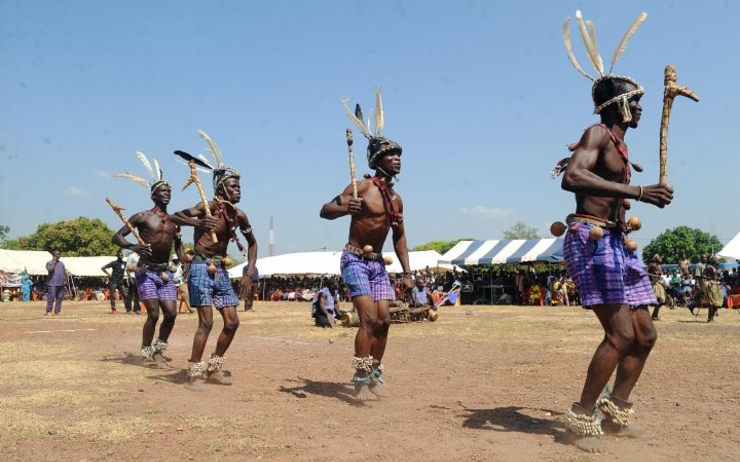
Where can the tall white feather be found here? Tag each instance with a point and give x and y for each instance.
(593, 55)
(146, 163)
(595, 43)
(569, 49)
(157, 170)
(137, 179)
(623, 43)
(213, 148)
(359, 123)
(379, 119)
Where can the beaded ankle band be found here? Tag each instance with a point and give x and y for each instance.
(196, 369)
(215, 363)
(363, 364)
(583, 424)
(618, 411)
(147, 352)
(160, 346)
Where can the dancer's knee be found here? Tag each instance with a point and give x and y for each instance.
(231, 325)
(170, 315)
(383, 322)
(622, 340)
(206, 325)
(647, 340)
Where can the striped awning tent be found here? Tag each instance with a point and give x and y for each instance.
(496, 252)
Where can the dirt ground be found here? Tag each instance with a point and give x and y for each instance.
(481, 384)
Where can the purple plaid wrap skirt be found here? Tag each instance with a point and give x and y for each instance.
(366, 277)
(604, 272)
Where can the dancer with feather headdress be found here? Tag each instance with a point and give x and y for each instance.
(215, 223)
(375, 209)
(598, 258)
(155, 234)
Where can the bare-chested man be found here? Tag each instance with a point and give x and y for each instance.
(604, 270)
(208, 280)
(153, 276)
(377, 210)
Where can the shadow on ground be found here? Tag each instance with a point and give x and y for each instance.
(512, 419)
(341, 391)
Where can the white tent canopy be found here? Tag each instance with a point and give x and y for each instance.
(34, 261)
(328, 263)
(500, 251)
(732, 249)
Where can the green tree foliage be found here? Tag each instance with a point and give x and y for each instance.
(11, 244)
(440, 246)
(5, 243)
(522, 230)
(81, 237)
(682, 240)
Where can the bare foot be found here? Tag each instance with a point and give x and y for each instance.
(380, 390)
(195, 384)
(218, 378)
(363, 393)
(612, 429)
(160, 359)
(592, 444)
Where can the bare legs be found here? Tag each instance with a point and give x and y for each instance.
(149, 346)
(375, 321)
(370, 343)
(198, 369)
(629, 338)
(152, 317)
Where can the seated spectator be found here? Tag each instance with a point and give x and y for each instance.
(420, 295)
(535, 295)
(325, 307)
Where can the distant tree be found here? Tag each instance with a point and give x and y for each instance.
(11, 244)
(81, 237)
(682, 240)
(522, 230)
(440, 246)
(4, 230)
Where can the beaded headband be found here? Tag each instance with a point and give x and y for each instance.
(154, 172)
(378, 145)
(588, 34)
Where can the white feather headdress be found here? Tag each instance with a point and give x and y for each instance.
(377, 143)
(155, 173)
(588, 34)
(220, 171)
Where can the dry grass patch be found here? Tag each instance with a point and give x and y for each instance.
(111, 428)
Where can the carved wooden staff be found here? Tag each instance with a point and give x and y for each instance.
(117, 208)
(194, 179)
(350, 141)
(672, 89)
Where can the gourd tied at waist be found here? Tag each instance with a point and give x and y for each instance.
(360, 253)
(153, 266)
(596, 221)
(216, 259)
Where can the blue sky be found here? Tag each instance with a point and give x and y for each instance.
(480, 94)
